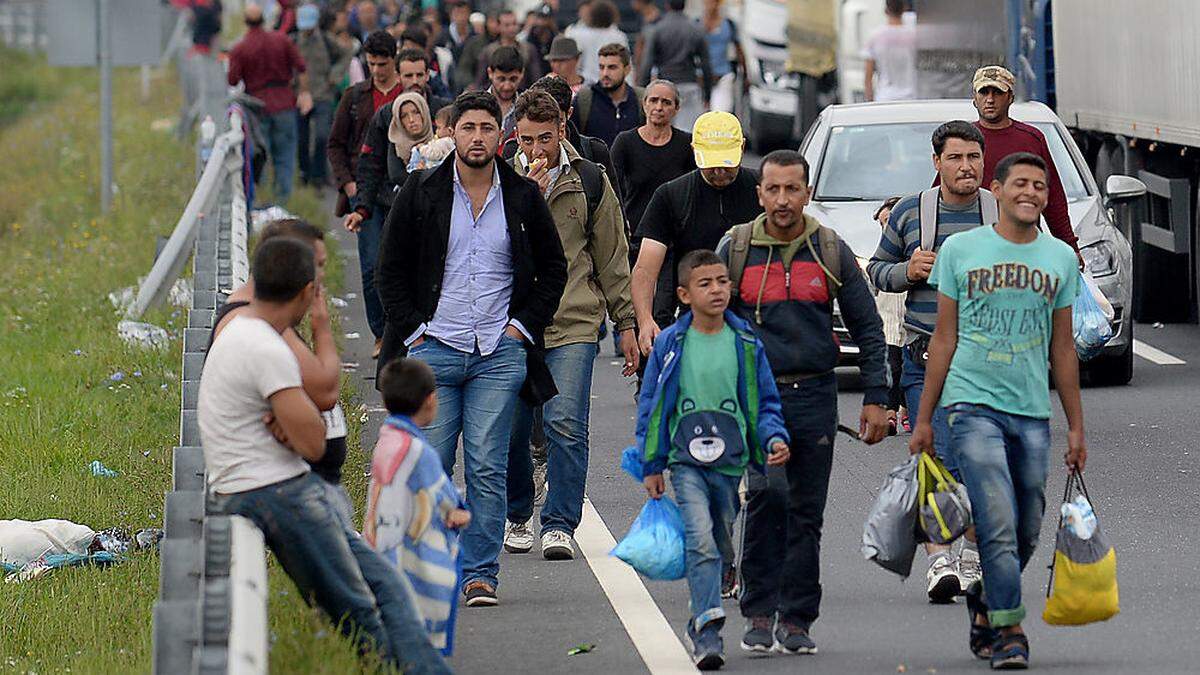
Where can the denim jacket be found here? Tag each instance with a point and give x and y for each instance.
(758, 396)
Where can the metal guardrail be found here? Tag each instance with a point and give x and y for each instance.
(211, 613)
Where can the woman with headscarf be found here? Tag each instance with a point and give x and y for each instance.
(394, 131)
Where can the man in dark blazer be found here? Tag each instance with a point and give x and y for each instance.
(470, 272)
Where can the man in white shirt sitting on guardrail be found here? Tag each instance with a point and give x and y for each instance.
(251, 372)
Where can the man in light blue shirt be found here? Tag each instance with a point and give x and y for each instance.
(470, 273)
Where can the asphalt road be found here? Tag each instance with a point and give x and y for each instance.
(1142, 474)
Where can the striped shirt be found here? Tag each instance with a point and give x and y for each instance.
(902, 236)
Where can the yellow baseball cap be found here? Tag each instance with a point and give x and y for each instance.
(717, 140)
(993, 76)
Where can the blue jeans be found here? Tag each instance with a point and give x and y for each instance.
(369, 235)
(565, 419)
(912, 380)
(1003, 459)
(477, 396)
(331, 564)
(708, 501)
(313, 133)
(280, 130)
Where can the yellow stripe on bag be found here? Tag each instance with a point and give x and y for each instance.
(928, 470)
(1083, 592)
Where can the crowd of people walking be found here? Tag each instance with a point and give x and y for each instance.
(579, 179)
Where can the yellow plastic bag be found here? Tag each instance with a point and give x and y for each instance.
(1083, 576)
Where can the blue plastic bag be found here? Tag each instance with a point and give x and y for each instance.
(1091, 325)
(631, 462)
(654, 545)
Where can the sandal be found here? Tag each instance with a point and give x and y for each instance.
(1010, 652)
(982, 638)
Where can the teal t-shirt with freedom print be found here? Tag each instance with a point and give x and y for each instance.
(1006, 294)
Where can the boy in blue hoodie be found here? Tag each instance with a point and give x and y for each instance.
(708, 409)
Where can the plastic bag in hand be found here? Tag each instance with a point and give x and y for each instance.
(889, 535)
(1083, 575)
(1090, 323)
(655, 543)
(945, 510)
(631, 462)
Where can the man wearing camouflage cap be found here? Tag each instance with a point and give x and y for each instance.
(994, 91)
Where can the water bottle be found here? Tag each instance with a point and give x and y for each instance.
(208, 132)
(1079, 517)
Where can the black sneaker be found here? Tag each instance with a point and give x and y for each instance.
(708, 649)
(792, 639)
(480, 594)
(729, 581)
(759, 637)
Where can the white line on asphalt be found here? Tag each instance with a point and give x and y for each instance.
(1155, 355)
(659, 647)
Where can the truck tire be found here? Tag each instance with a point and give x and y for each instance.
(1112, 371)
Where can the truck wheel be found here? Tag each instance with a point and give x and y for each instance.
(1112, 371)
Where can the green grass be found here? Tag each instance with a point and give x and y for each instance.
(59, 407)
(26, 83)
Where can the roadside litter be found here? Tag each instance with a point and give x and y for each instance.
(260, 217)
(32, 549)
(100, 470)
(581, 649)
(180, 295)
(138, 334)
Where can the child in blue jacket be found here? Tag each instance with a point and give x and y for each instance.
(707, 412)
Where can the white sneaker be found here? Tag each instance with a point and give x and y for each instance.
(969, 568)
(518, 538)
(942, 581)
(556, 545)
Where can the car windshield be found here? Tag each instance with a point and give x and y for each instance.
(872, 162)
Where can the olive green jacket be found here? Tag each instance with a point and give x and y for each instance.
(597, 265)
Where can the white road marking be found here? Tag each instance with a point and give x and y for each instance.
(659, 647)
(1155, 355)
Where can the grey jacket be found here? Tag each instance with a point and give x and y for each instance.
(677, 48)
(327, 62)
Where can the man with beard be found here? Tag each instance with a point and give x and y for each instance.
(902, 263)
(471, 271)
(413, 65)
(609, 106)
(787, 271)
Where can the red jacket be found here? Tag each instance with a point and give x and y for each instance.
(266, 62)
(1021, 137)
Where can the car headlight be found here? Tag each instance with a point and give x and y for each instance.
(1100, 259)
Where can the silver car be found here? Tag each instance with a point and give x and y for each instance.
(862, 154)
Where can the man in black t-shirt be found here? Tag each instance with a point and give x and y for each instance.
(691, 212)
(652, 154)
